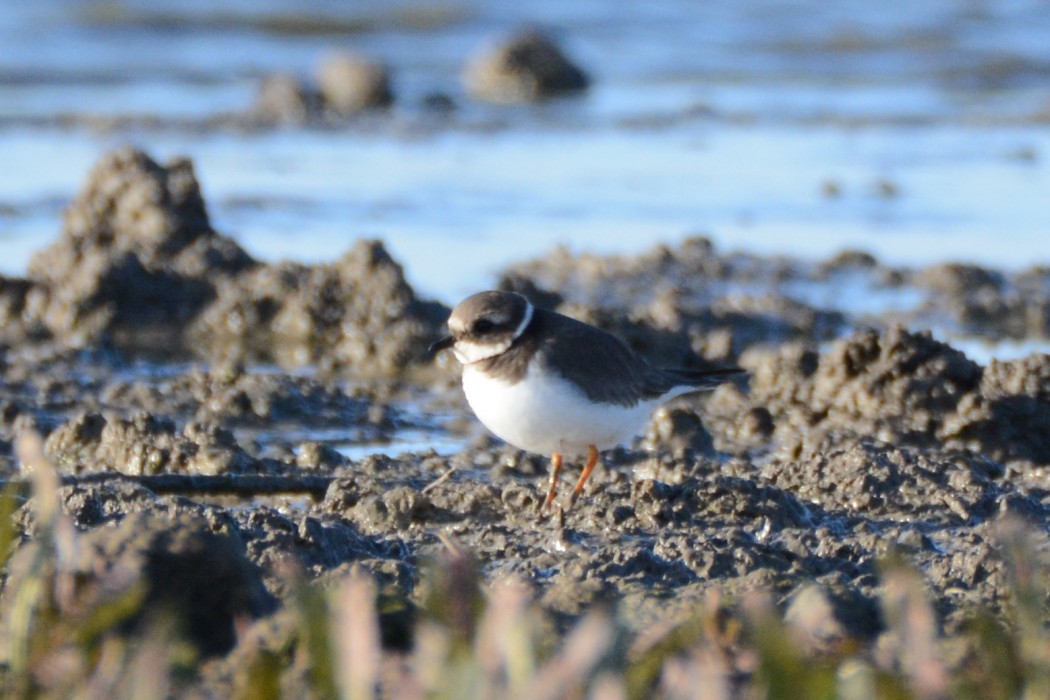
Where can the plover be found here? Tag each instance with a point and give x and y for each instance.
(549, 384)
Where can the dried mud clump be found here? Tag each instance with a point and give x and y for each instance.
(1008, 418)
(137, 254)
(897, 387)
(16, 325)
(358, 312)
(527, 67)
(894, 386)
(143, 444)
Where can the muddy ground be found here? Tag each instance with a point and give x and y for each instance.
(145, 343)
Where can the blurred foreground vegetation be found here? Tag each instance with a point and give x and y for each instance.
(458, 638)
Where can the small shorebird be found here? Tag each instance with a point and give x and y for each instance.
(550, 384)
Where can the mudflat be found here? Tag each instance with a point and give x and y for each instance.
(206, 417)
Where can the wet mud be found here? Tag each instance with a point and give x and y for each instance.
(145, 343)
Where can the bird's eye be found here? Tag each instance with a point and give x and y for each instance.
(483, 325)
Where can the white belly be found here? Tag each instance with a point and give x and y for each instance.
(545, 414)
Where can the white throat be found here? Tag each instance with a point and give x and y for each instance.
(468, 352)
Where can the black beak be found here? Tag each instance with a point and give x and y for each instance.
(443, 344)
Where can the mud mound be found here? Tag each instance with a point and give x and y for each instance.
(345, 86)
(139, 265)
(137, 253)
(527, 67)
(896, 386)
(350, 84)
(358, 313)
(1008, 417)
(17, 324)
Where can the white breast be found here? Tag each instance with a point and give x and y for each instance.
(544, 413)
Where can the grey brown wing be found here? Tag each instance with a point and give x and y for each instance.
(606, 369)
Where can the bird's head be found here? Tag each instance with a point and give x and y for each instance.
(484, 325)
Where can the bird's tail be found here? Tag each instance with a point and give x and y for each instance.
(701, 379)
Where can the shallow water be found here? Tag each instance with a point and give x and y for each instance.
(919, 134)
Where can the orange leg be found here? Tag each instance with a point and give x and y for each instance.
(592, 461)
(553, 490)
